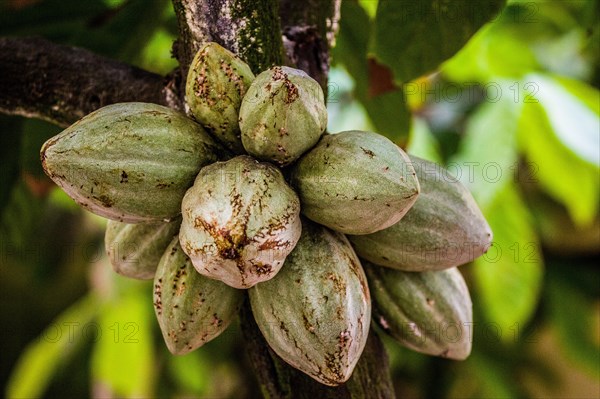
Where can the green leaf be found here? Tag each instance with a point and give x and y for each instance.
(156, 56)
(123, 358)
(415, 37)
(494, 52)
(190, 372)
(352, 44)
(574, 316)
(559, 134)
(422, 142)
(388, 111)
(51, 351)
(492, 380)
(573, 110)
(370, 6)
(345, 112)
(508, 277)
(587, 95)
(528, 36)
(54, 19)
(487, 157)
(389, 114)
(124, 34)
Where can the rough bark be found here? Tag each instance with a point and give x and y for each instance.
(309, 29)
(61, 84)
(246, 27)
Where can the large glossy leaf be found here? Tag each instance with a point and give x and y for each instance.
(387, 110)
(115, 29)
(559, 132)
(55, 19)
(344, 111)
(191, 371)
(370, 6)
(574, 316)
(123, 358)
(487, 157)
(508, 278)
(389, 114)
(528, 36)
(415, 37)
(124, 34)
(352, 44)
(483, 377)
(43, 358)
(494, 52)
(573, 111)
(422, 143)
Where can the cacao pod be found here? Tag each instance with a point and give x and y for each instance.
(443, 229)
(134, 250)
(191, 309)
(240, 221)
(429, 312)
(315, 313)
(130, 162)
(216, 83)
(355, 182)
(283, 115)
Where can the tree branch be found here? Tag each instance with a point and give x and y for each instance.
(309, 29)
(61, 84)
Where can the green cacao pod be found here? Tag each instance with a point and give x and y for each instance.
(283, 115)
(134, 250)
(355, 182)
(216, 83)
(444, 228)
(429, 312)
(240, 221)
(191, 309)
(315, 313)
(130, 162)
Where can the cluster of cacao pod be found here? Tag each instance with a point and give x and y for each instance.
(251, 194)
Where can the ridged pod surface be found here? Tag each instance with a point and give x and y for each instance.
(443, 229)
(429, 312)
(130, 162)
(216, 83)
(315, 313)
(283, 115)
(355, 182)
(134, 250)
(240, 221)
(191, 309)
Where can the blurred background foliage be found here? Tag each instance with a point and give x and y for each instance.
(510, 107)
